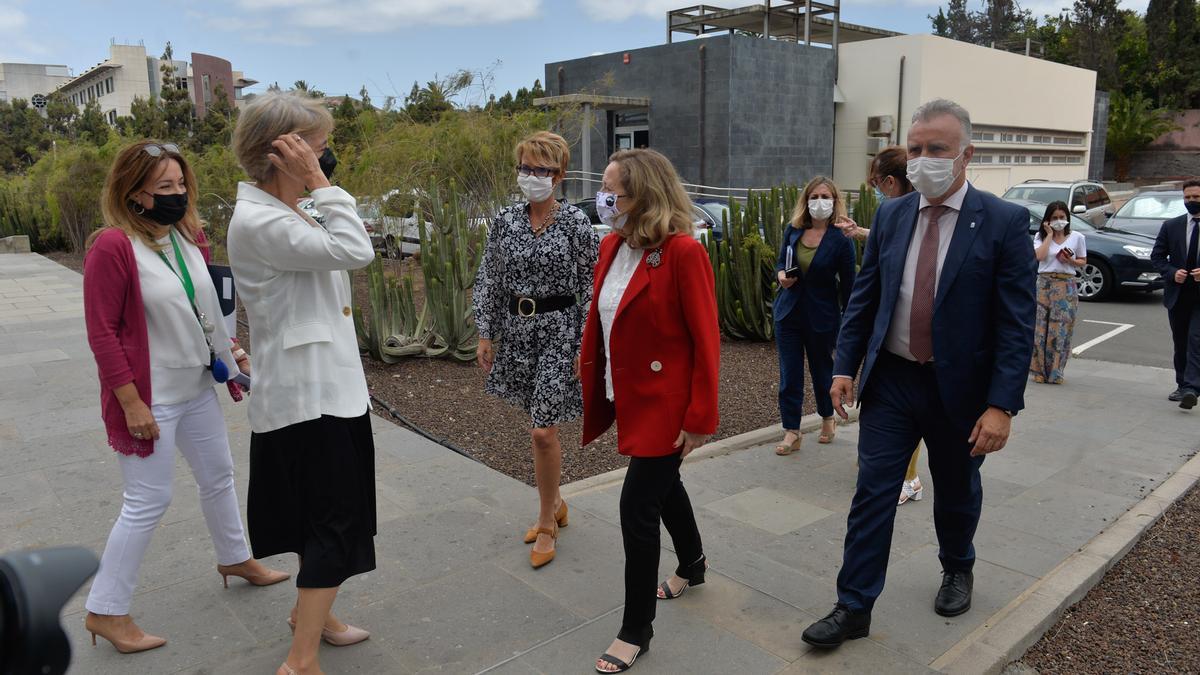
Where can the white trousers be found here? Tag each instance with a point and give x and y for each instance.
(197, 428)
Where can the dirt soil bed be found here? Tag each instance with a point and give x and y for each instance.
(1144, 615)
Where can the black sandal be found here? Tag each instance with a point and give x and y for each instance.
(621, 665)
(693, 574)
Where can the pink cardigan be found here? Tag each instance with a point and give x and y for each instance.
(116, 328)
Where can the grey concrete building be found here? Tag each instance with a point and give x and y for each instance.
(728, 110)
(32, 82)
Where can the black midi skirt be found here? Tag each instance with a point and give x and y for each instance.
(312, 492)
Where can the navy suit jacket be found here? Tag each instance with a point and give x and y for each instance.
(824, 290)
(983, 312)
(1170, 254)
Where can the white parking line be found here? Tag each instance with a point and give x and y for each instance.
(1120, 328)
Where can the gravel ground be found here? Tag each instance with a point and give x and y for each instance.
(1144, 615)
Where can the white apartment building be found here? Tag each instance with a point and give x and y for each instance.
(129, 73)
(1031, 118)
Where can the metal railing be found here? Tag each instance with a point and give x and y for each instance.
(587, 182)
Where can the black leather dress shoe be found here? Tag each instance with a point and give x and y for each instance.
(954, 597)
(1176, 396)
(840, 625)
(1189, 399)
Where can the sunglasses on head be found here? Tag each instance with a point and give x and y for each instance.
(539, 171)
(156, 150)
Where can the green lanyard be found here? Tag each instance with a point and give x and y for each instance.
(182, 273)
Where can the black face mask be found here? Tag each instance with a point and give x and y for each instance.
(168, 209)
(1192, 207)
(328, 163)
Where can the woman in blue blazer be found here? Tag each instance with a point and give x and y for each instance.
(816, 272)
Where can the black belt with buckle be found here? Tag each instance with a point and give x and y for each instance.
(532, 306)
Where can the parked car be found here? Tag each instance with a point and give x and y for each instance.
(1087, 198)
(1115, 260)
(1145, 212)
(308, 206)
(704, 220)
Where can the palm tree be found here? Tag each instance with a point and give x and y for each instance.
(1132, 125)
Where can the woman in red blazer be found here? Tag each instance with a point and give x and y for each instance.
(649, 362)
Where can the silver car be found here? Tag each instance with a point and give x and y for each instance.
(1087, 198)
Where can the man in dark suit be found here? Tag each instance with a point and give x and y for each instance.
(1175, 255)
(941, 321)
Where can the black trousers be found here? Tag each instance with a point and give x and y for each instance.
(1185, 333)
(652, 492)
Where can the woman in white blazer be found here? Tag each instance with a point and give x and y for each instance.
(312, 465)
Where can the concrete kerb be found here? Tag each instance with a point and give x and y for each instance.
(725, 446)
(1008, 633)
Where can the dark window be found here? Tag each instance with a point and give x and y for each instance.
(1078, 197)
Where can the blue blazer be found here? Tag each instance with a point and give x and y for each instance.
(1170, 254)
(824, 290)
(983, 312)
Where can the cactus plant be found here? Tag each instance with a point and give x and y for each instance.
(451, 250)
(393, 329)
(744, 263)
(863, 214)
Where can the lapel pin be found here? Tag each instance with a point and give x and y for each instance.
(972, 224)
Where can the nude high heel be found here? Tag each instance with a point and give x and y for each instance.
(145, 643)
(351, 636)
(271, 577)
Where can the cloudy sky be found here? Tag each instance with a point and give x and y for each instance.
(341, 45)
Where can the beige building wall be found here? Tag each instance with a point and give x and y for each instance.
(1005, 93)
(127, 66)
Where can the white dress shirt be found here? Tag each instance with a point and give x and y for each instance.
(898, 331)
(291, 277)
(621, 271)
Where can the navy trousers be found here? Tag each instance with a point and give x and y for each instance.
(795, 340)
(1185, 333)
(901, 406)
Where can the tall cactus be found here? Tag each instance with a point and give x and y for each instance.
(393, 330)
(451, 250)
(744, 263)
(864, 214)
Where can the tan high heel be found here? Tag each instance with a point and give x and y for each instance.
(145, 643)
(560, 517)
(351, 636)
(784, 449)
(540, 559)
(827, 437)
(268, 579)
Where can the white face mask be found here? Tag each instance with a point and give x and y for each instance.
(820, 209)
(932, 176)
(609, 213)
(536, 189)
(1058, 225)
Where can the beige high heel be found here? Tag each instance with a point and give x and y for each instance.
(268, 579)
(145, 643)
(560, 517)
(351, 636)
(784, 449)
(827, 437)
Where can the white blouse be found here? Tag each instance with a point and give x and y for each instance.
(615, 282)
(1052, 264)
(178, 351)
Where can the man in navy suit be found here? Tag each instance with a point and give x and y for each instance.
(1175, 255)
(941, 321)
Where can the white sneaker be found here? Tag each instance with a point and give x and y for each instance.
(912, 489)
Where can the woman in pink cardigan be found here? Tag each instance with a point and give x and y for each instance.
(154, 325)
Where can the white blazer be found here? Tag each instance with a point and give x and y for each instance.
(290, 274)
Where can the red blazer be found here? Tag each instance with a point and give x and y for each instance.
(666, 350)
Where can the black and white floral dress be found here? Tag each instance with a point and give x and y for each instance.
(535, 355)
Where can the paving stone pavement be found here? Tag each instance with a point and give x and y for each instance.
(454, 591)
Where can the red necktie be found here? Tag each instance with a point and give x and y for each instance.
(920, 322)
